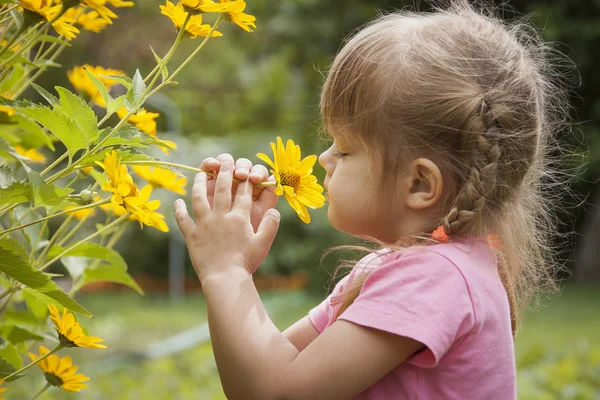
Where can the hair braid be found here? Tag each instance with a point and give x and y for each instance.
(481, 182)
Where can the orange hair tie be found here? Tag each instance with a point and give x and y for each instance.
(440, 234)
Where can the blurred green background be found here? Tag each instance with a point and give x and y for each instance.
(240, 93)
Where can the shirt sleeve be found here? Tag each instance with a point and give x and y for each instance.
(319, 316)
(421, 295)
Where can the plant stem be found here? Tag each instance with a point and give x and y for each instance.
(55, 163)
(8, 292)
(25, 368)
(38, 394)
(170, 78)
(14, 228)
(11, 41)
(180, 166)
(53, 239)
(93, 235)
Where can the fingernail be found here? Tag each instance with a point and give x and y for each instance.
(243, 171)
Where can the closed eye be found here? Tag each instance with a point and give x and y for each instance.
(339, 155)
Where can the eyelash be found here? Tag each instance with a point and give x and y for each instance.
(340, 155)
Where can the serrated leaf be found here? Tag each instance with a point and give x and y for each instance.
(6, 176)
(123, 80)
(11, 354)
(134, 94)
(21, 270)
(60, 125)
(17, 192)
(124, 155)
(13, 77)
(101, 88)
(163, 68)
(6, 369)
(50, 194)
(77, 109)
(50, 98)
(14, 246)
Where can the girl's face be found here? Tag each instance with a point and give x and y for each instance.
(353, 206)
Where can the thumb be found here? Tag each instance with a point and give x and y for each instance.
(267, 230)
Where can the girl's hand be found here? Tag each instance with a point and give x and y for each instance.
(223, 237)
(264, 197)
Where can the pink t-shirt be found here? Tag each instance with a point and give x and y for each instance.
(450, 298)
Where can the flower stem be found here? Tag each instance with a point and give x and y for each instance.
(181, 166)
(38, 394)
(55, 163)
(12, 40)
(93, 235)
(170, 78)
(14, 228)
(25, 368)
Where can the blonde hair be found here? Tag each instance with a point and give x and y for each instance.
(479, 96)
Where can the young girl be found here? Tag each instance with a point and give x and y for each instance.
(440, 124)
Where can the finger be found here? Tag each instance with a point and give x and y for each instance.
(243, 199)
(210, 164)
(184, 222)
(199, 200)
(223, 186)
(267, 230)
(267, 197)
(258, 173)
(242, 169)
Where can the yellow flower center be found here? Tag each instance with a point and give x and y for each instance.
(290, 178)
(127, 189)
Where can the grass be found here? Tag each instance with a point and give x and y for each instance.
(556, 352)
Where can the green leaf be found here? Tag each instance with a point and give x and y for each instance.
(50, 98)
(91, 250)
(16, 334)
(164, 71)
(50, 195)
(17, 17)
(21, 270)
(101, 88)
(129, 135)
(59, 125)
(35, 305)
(6, 176)
(125, 155)
(13, 77)
(112, 273)
(11, 354)
(30, 133)
(123, 80)
(17, 192)
(52, 39)
(6, 369)
(134, 94)
(46, 63)
(77, 108)
(14, 246)
(115, 105)
(113, 270)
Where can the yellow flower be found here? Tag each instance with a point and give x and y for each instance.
(47, 10)
(147, 214)
(100, 7)
(89, 21)
(194, 26)
(120, 3)
(234, 13)
(143, 120)
(82, 82)
(33, 155)
(196, 6)
(125, 193)
(70, 332)
(162, 178)
(82, 214)
(2, 390)
(14, 47)
(37, 6)
(294, 179)
(60, 371)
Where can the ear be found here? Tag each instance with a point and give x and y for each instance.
(425, 184)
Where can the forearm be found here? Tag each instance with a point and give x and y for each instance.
(251, 352)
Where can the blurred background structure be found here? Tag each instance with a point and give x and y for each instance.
(241, 94)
